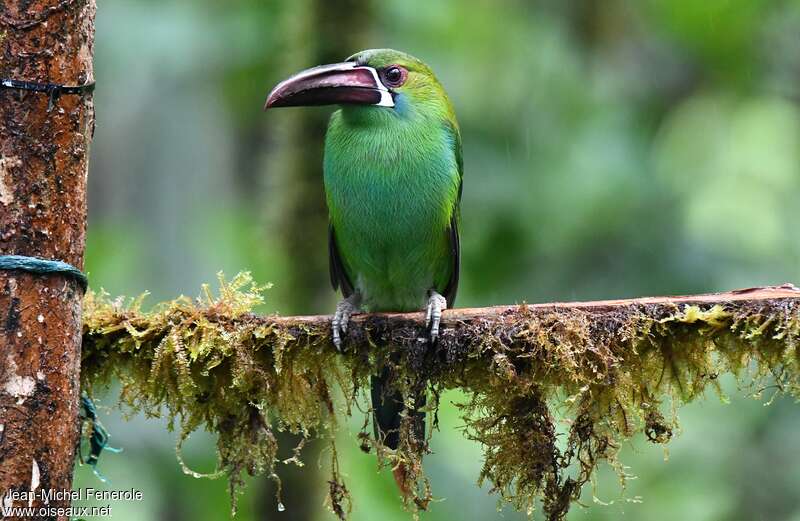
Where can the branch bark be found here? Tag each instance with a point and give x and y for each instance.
(43, 170)
(457, 320)
(609, 368)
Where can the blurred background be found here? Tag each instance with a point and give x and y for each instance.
(613, 148)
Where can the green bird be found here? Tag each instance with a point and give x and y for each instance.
(393, 182)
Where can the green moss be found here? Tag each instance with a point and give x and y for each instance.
(612, 373)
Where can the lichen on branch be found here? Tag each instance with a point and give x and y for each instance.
(600, 373)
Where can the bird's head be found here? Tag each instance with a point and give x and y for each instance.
(377, 79)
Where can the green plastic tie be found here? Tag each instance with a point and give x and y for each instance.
(43, 267)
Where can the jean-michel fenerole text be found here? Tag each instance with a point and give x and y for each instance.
(80, 494)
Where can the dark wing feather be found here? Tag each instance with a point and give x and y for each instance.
(455, 240)
(339, 278)
(455, 251)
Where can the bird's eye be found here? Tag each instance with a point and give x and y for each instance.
(394, 76)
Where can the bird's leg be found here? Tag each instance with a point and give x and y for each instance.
(344, 309)
(436, 304)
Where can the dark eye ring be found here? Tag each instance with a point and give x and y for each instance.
(394, 76)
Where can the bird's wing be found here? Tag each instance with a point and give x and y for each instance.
(339, 276)
(455, 219)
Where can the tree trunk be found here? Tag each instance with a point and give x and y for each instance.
(43, 170)
(332, 30)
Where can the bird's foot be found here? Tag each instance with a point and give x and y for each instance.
(344, 310)
(436, 304)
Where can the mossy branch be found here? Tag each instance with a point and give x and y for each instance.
(611, 369)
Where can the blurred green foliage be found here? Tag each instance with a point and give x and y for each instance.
(612, 149)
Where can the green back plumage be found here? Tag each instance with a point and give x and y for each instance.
(393, 185)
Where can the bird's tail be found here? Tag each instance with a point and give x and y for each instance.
(387, 408)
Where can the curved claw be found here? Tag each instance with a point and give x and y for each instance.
(433, 316)
(341, 318)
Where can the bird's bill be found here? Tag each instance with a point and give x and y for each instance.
(336, 84)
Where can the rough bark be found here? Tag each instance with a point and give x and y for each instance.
(43, 170)
(459, 320)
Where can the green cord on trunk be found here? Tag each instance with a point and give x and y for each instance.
(43, 267)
